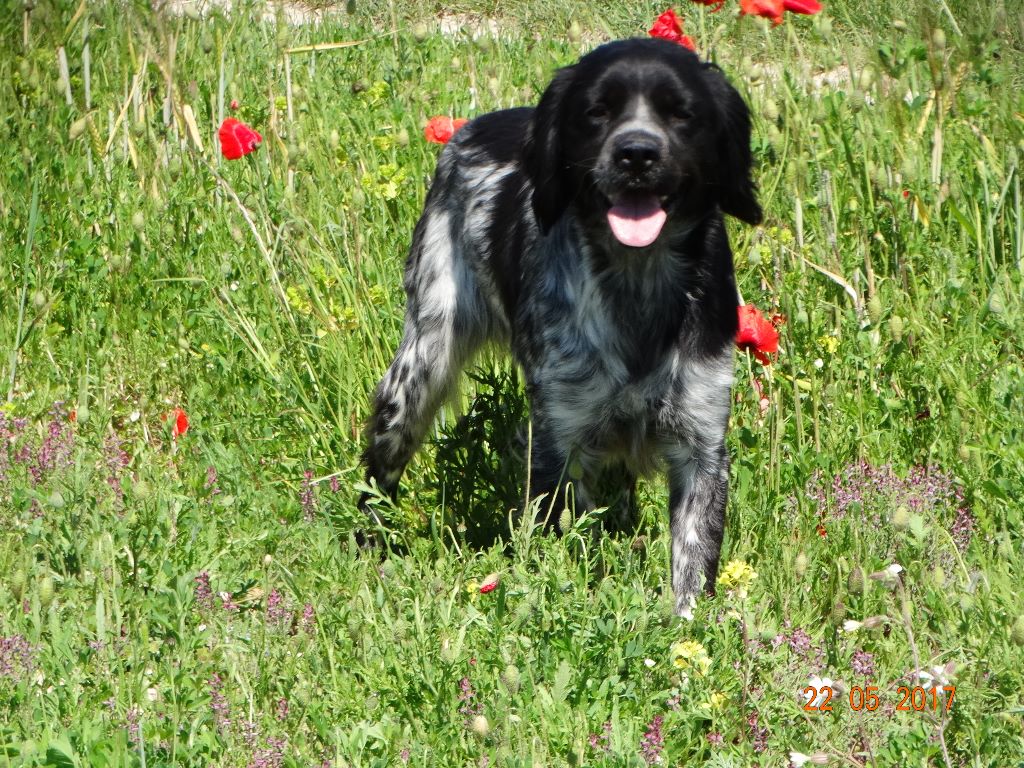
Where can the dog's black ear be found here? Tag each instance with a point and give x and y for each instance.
(543, 153)
(737, 190)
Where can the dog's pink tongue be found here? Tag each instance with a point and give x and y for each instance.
(636, 220)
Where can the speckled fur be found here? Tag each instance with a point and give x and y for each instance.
(627, 352)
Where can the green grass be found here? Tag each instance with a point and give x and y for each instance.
(140, 274)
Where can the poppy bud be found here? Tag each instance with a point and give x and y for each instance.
(800, 564)
(46, 591)
(56, 500)
(1017, 631)
(771, 110)
(939, 39)
(801, 316)
(138, 221)
(901, 517)
(996, 304)
(866, 78)
(206, 42)
(938, 577)
(402, 137)
(838, 611)
(77, 128)
(480, 726)
(17, 584)
(565, 520)
(192, 13)
(966, 603)
(420, 32)
(575, 32)
(510, 677)
(447, 653)
(334, 139)
(875, 309)
(896, 327)
(855, 581)
(899, 25)
(38, 299)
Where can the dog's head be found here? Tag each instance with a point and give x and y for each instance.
(640, 132)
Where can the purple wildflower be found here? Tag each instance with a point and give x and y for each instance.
(869, 490)
(308, 496)
(653, 742)
(219, 704)
(55, 450)
(132, 724)
(800, 641)
(282, 709)
(470, 706)
(404, 756)
(10, 432)
(308, 621)
(211, 481)
(962, 528)
(758, 734)
(715, 738)
(250, 733)
(227, 603)
(17, 657)
(116, 459)
(203, 593)
(335, 484)
(602, 742)
(863, 663)
(276, 611)
(272, 756)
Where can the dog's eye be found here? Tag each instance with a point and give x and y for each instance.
(597, 112)
(681, 111)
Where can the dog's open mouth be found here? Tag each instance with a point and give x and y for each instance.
(636, 218)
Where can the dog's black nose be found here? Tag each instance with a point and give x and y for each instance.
(636, 153)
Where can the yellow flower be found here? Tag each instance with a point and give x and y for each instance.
(689, 655)
(718, 700)
(473, 587)
(829, 343)
(737, 576)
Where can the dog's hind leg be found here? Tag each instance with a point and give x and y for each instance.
(444, 325)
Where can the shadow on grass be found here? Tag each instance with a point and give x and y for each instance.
(480, 461)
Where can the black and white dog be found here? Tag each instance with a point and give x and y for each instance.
(587, 233)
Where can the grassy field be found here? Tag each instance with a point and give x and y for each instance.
(197, 599)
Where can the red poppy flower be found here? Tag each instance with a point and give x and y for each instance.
(237, 139)
(440, 129)
(234, 105)
(668, 27)
(714, 5)
(806, 7)
(490, 582)
(768, 9)
(821, 530)
(756, 334)
(180, 422)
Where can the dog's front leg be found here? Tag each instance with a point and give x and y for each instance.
(698, 489)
